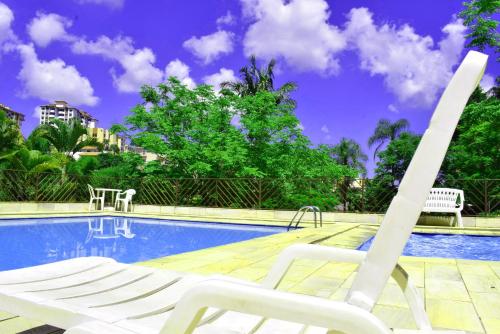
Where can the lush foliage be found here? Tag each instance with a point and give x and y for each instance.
(67, 138)
(474, 152)
(10, 135)
(478, 16)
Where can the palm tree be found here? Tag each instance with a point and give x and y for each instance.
(67, 138)
(255, 79)
(32, 161)
(348, 153)
(387, 132)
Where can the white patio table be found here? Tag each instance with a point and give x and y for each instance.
(104, 191)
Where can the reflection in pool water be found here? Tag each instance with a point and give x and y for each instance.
(28, 242)
(109, 228)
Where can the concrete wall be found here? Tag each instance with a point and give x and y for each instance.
(274, 217)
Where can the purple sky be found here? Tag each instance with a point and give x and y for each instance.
(354, 61)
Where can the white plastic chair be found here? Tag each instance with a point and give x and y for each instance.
(446, 200)
(97, 295)
(124, 201)
(94, 197)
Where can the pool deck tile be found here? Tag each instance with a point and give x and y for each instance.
(452, 314)
(458, 294)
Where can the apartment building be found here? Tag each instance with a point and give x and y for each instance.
(63, 111)
(14, 115)
(105, 137)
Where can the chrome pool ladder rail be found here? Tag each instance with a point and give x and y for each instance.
(302, 211)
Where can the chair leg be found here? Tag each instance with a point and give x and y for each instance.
(90, 204)
(459, 219)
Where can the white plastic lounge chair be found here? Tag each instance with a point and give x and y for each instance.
(95, 198)
(446, 200)
(124, 201)
(97, 295)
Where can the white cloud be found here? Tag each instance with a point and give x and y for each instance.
(6, 19)
(325, 129)
(210, 47)
(138, 64)
(178, 69)
(53, 80)
(488, 82)
(115, 4)
(413, 68)
(393, 108)
(218, 78)
(297, 31)
(45, 28)
(227, 19)
(37, 112)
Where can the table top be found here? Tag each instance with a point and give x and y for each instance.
(107, 189)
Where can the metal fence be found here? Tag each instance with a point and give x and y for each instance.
(482, 197)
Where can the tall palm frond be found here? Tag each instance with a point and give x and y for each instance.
(32, 161)
(387, 132)
(67, 138)
(348, 153)
(255, 79)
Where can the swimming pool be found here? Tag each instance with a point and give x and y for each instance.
(459, 246)
(29, 242)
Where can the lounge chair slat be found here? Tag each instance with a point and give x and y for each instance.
(157, 302)
(121, 279)
(52, 270)
(91, 275)
(138, 289)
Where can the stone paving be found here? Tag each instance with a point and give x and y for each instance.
(458, 294)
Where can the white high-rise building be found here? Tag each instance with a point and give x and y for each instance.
(61, 110)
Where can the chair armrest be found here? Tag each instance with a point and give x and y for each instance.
(326, 253)
(312, 252)
(272, 304)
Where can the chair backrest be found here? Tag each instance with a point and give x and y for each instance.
(129, 193)
(406, 206)
(91, 190)
(443, 198)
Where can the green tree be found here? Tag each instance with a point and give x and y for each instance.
(271, 133)
(387, 132)
(67, 138)
(394, 160)
(10, 135)
(36, 141)
(189, 129)
(255, 79)
(478, 16)
(391, 167)
(474, 152)
(348, 153)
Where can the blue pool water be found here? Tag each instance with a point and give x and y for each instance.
(29, 242)
(471, 247)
